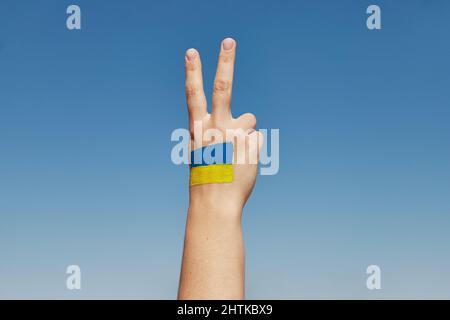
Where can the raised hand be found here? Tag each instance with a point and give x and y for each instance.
(213, 259)
(241, 131)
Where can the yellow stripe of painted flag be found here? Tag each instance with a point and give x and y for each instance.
(213, 173)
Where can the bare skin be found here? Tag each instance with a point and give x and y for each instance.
(213, 264)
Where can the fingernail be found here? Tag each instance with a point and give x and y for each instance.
(191, 54)
(228, 44)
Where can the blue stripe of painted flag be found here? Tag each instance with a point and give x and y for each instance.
(207, 155)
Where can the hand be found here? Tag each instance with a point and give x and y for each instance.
(213, 260)
(247, 144)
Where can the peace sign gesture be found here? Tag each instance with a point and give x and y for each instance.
(213, 259)
(220, 121)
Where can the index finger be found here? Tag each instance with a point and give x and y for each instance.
(195, 96)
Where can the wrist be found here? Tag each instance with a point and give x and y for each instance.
(210, 202)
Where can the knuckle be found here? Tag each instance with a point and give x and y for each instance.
(248, 120)
(191, 90)
(191, 66)
(219, 125)
(226, 57)
(221, 85)
(251, 119)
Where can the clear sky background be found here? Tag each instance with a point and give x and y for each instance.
(85, 123)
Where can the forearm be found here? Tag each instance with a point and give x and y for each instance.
(213, 260)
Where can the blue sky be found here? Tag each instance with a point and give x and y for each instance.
(85, 124)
